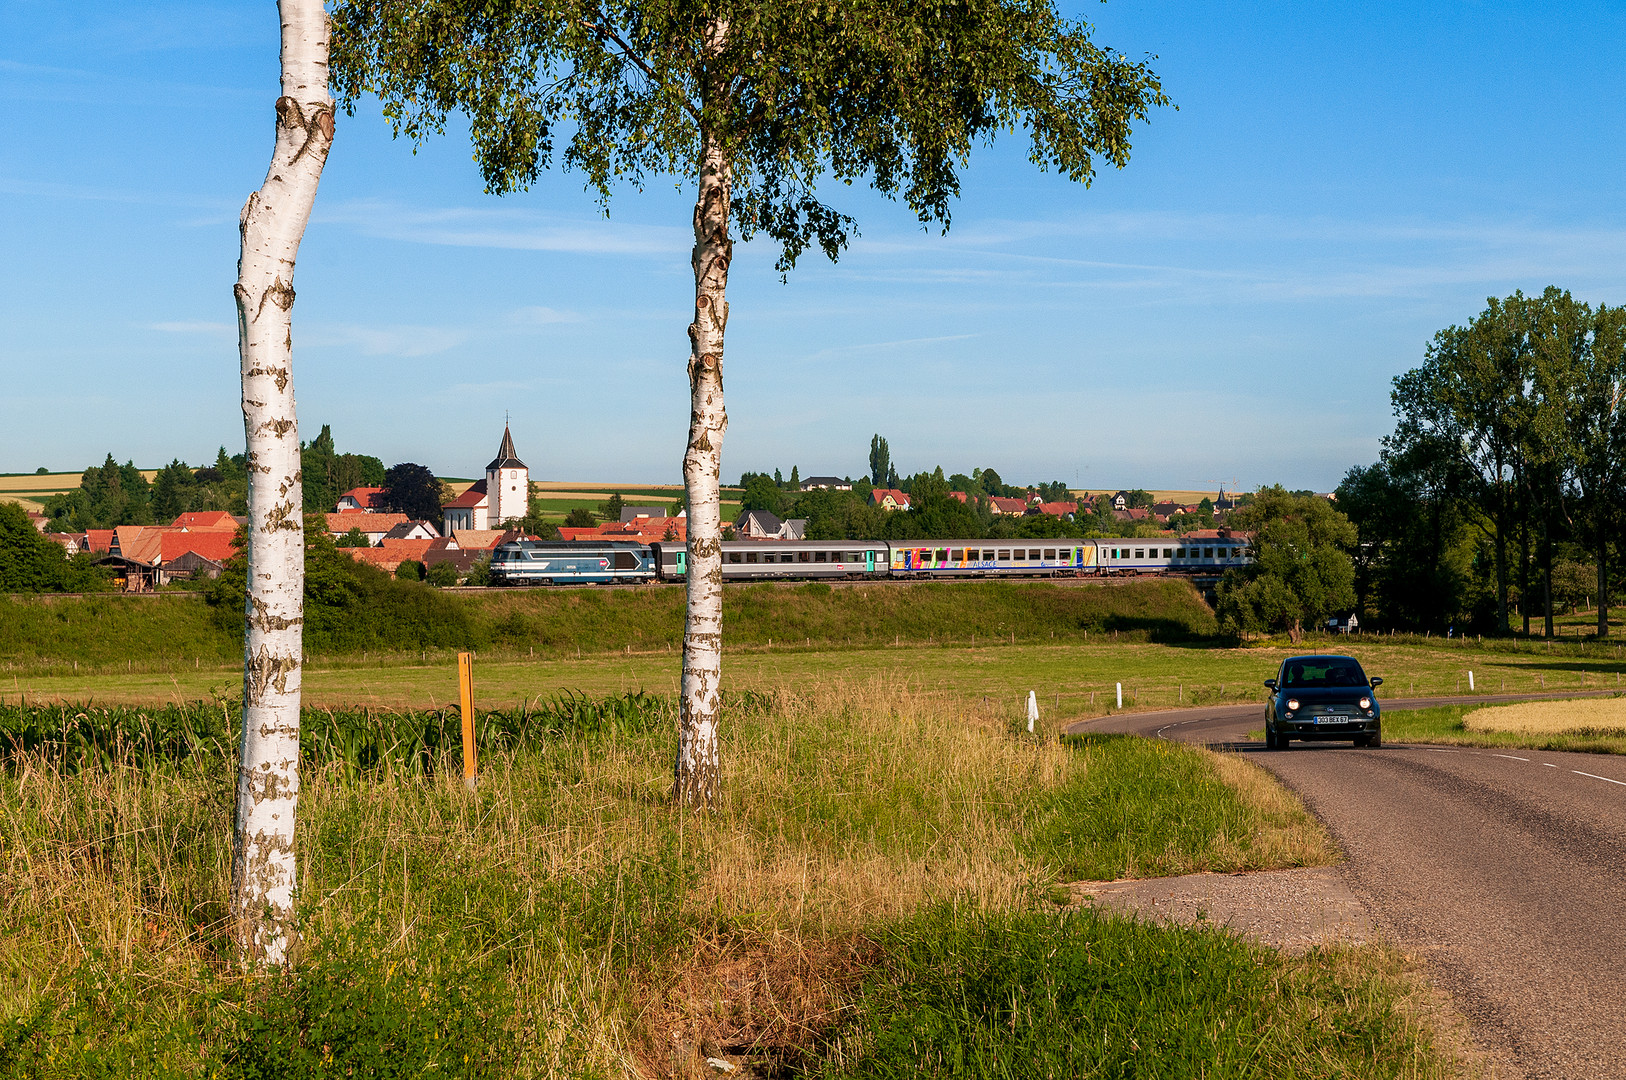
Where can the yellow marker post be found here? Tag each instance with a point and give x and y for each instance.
(465, 694)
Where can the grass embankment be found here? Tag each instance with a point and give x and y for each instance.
(134, 635)
(1454, 725)
(873, 896)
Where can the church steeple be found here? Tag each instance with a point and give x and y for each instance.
(506, 458)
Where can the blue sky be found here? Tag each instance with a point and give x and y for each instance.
(1339, 182)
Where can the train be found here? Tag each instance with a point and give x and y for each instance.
(627, 562)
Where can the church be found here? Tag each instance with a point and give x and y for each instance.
(504, 494)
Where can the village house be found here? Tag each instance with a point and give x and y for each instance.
(360, 499)
(503, 495)
(888, 499)
(761, 525)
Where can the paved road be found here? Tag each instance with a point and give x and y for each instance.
(1504, 870)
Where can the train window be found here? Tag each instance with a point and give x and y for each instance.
(942, 556)
(1005, 555)
(820, 556)
(626, 560)
(734, 556)
(1168, 553)
(803, 556)
(789, 556)
(1049, 554)
(1179, 553)
(750, 556)
(1140, 553)
(1208, 553)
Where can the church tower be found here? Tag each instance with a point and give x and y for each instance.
(508, 485)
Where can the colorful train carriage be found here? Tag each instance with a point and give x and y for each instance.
(762, 560)
(985, 558)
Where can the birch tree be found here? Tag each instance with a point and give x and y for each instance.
(755, 104)
(272, 225)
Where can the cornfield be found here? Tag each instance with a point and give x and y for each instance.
(360, 742)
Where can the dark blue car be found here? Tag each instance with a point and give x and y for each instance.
(1322, 698)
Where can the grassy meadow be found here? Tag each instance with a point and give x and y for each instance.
(876, 895)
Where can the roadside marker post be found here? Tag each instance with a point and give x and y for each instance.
(1033, 709)
(1120, 695)
(1470, 682)
(465, 695)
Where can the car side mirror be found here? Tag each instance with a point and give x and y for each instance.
(1271, 683)
(1376, 682)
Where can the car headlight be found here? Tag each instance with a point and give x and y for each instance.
(1366, 703)
(1292, 704)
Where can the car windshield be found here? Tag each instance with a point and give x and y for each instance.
(1320, 672)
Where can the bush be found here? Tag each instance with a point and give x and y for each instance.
(442, 574)
(409, 570)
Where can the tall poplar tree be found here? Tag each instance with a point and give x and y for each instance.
(757, 103)
(272, 225)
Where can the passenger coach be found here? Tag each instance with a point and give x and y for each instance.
(749, 560)
(983, 558)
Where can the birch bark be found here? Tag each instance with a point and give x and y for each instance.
(272, 225)
(697, 772)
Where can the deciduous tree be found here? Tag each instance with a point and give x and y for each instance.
(757, 103)
(271, 226)
(412, 490)
(1301, 570)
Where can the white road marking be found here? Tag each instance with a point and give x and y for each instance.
(1605, 779)
(1433, 750)
(1549, 764)
(1510, 757)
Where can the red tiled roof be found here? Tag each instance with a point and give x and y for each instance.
(205, 519)
(958, 495)
(1058, 509)
(386, 559)
(99, 540)
(366, 522)
(1009, 506)
(406, 549)
(474, 496)
(216, 545)
(878, 495)
(477, 539)
(366, 497)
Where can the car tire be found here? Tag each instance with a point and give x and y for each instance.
(1270, 738)
(1375, 740)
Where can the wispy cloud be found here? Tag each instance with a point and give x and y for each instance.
(502, 227)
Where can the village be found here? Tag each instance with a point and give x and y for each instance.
(482, 514)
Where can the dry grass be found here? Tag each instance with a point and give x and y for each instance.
(1596, 716)
(632, 940)
(1286, 835)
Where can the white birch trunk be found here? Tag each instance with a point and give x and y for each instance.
(697, 772)
(272, 224)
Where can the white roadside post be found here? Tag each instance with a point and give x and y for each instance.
(1120, 695)
(1033, 710)
(1470, 682)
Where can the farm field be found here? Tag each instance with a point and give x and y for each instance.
(31, 489)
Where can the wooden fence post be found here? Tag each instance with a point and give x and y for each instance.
(465, 695)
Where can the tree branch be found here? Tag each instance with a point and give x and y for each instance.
(607, 34)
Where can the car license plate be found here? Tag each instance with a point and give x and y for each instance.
(1332, 718)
